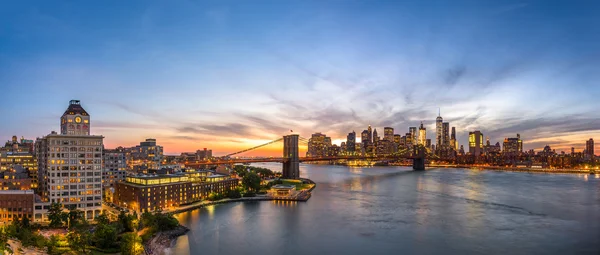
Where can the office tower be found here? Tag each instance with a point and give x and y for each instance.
(589, 147)
(453, 141)
(113, 166)
(397, 138)
(351, 142)
(388, 134)
(318, 145)
(370, 137)
(428, 143)
(375, 137)
(413, 135)
(409, 140)
(70, 164)
(475, 143)
(422, 135)
(439, 136)
(364, 139)
(446, 134)
(513, 145)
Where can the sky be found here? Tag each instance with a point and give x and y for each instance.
(228, 75)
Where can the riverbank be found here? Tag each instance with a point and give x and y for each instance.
(163, 240)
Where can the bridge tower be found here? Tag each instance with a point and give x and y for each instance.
(419, 158)
(291, 166)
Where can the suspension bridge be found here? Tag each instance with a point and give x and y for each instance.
(291, 157)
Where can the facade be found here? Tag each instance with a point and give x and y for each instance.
(446, 134)
(365, 139)
(422, 135)
(370, 137)
(351, 142)
(388, 134)
(475, 143)
(513, 145)
(70, 164)
(453, 141)
(199, 155)
(439, 136)
(589, 148)
(413, 135)
(26, 160)
(318, 145)
(161, 192)
(114, 166)
(16, 204)
(147, 155)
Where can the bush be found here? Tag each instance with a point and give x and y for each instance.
(249, 194)
(234, 193)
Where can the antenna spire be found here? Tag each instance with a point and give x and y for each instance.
(440, 111)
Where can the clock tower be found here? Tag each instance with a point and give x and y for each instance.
(75, 120)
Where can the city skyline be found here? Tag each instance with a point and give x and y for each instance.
(196, 75)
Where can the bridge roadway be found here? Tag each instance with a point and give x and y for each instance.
(284, 160)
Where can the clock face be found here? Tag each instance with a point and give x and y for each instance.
(77, 119)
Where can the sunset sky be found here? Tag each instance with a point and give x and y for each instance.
(227, 75)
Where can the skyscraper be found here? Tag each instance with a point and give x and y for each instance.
(365, 139)
(318, 145)
(370, 137)
(388, 134)
(453, 142)
(351, 142)
(475, 143)
(413, 135)
(422, 135)
(71, 163)
(439, 136)
(589, 147)
(446, 134)
(513, 145)
(375, 137)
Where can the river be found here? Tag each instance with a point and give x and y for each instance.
(393, 210)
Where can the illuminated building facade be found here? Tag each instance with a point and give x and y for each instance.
(199, 155)
(114, 166)
(513, 145)
(413, 135)
(351, 142)
(16, 204)
(388, 134)
(439, 136)
(475, 143)
(453, 141)
(422, 135)
(147, 155)
(70, 164)
(161, 192)
(318, 145)
(26, 160)
(589, 148)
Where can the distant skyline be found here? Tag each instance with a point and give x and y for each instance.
(227, 75)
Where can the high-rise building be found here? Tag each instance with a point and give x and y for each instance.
(589, 147)
(397, 139)
(422, 135)
(413, 135)
(453, 141)
(70, 164)
(365, 139)
(20, 154)
(513, 145)
(351, 142)
(388, 134)
(475, 143)
(147, 155)
(370, 137)
(318, 145)
(428, 143)
(439, 131)
(446, 134)
(114, 166)
(409, 140)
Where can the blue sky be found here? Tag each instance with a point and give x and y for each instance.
(231, 74)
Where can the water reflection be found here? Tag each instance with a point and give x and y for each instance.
(376, 210)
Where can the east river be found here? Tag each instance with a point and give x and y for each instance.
(393, 210)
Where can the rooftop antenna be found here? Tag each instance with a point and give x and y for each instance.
(440, 111)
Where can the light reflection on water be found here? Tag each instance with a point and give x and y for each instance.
(392, 210)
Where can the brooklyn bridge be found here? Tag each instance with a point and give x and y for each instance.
(291, 158)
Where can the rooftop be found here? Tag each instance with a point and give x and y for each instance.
(75, 108)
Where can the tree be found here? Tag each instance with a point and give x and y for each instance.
(52, 244)
(74, 218)
(4, 246)
(126, 221)
(105, 236)
(234, 193)
(80, 237)
(56, 215)
(165, 222)
(131, 244)
(251, 181)
(102, 219)
(25, 223)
